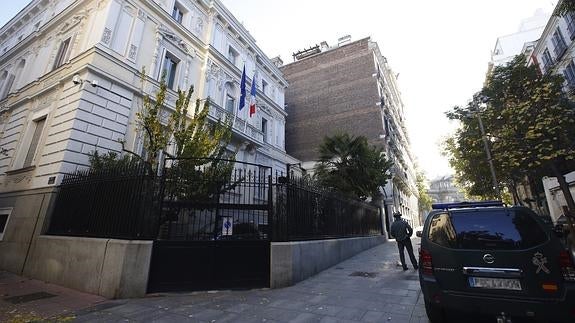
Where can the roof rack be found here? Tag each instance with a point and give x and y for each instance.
(459, 205)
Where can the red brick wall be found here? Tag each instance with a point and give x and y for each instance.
(333, 92)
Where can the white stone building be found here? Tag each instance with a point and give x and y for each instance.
(508, 46)
(442, 189)
(555, 53)
(70, 84)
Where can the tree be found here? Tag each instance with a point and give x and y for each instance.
(199, 153)
(467, 157)
(424, 198)
(566, 6)
(190, 131)
(349, 165)
(530, 124)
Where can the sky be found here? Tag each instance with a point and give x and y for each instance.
(440, 49)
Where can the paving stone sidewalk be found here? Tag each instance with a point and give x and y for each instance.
(30, 300)
(369, 287)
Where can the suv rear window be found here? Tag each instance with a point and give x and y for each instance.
(491, 229)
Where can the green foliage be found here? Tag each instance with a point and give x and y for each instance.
(150, 122)
(109, 160)
(191, 132)
(566, 6)
(424, 198)
(528, 121)
(349, 165)
(199, 144)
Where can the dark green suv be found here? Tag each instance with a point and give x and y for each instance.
(489, 259)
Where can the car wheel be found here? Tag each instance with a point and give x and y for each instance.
(435, 313)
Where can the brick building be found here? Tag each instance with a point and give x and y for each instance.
(350, 88)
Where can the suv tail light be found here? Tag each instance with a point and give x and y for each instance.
(425, 262)
(567, 266)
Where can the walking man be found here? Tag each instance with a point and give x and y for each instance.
(402, 231)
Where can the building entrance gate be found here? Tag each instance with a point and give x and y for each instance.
(214, 222)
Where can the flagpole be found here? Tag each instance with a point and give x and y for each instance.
(242, 100)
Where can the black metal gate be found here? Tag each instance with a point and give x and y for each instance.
(214, 226)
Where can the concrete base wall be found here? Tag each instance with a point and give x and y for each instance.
(292, 262)
(29, 209)
(107, 267)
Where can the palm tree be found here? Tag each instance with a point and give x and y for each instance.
(349, 165)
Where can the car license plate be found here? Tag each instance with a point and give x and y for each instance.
(494, 283)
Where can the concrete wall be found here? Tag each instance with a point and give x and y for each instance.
(107, 267)
(111, 268)
(292, 262)
(29, 210)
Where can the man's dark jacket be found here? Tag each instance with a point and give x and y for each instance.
(400, 229)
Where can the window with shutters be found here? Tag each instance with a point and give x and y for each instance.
(4, 217)
(570, 19)
(169, 69)
(230, 102)
(178, 12)
(547, 60)
(62, 54)
(265, 129)
(569, 74)
(559, 45)
(264, 87)
(233, 55)
(230, 97)
(38, 127)
(6, 84)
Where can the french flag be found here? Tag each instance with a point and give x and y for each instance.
(253, 97)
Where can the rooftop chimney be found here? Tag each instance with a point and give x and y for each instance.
(344, 40)
(277, 61)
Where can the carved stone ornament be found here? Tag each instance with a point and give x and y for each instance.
(265, 109)
(75, 20)
(170, 36)
(20, 178)
(101, 4)
(215, 73)
(199, 26)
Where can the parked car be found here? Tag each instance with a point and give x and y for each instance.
(486, 258)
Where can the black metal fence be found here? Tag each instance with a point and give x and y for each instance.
(305, 211)
(120, 202)
(215, 199)
(205, 199)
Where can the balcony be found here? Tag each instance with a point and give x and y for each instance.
(240, 126)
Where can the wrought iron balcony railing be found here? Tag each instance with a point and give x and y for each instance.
(239, 125)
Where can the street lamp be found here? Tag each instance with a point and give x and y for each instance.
(478, 103)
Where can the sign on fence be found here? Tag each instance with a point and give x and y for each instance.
(227, 225)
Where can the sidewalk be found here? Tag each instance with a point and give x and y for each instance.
(25, 300)
(369, 287)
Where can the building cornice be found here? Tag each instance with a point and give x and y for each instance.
(250, 42)
(48, 27)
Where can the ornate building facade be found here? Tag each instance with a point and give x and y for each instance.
(71, 84)
(554, 53)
